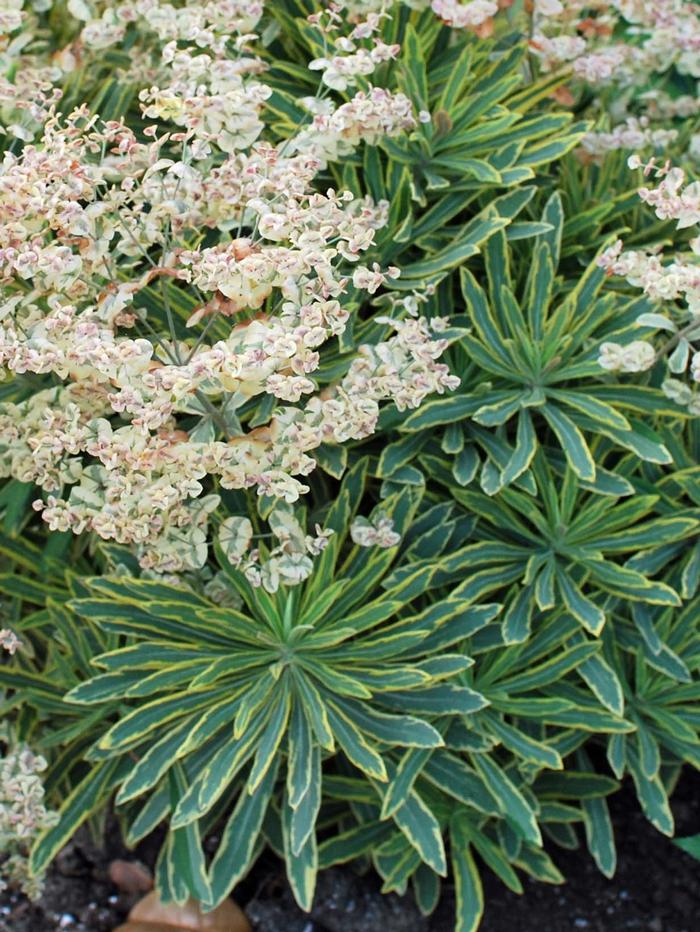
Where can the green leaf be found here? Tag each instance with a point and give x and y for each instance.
(603, 682)
(302, 867)
(355, 746)
(426, 888)
(347, 846)
(573, 784)
(649, 752)
(623, 581)
(550, 670)
(422, 830)
(254, 699)
(403, 779)
(104, 687)
(398, 454)
(439, 700)
(315, 711)
(239, 838)
(525, 449)
(332, 458)
(28, 590)
(599, 834)
(139, 724)
(149, 816)
(468, 890)
(652, 796)
(439, 411)
(270, 740)
(510, 800)
(155, 762)
(572, 442)
(403, 730)
(581, 607)
(211, 782)
(469, 239)
(454, 777)
(299, 745)
(523, 745)
(597, 410)
(493, 855)
(691, 845)
(458, 80)
(499, 411)
(186, 855)
(91, 793)
(518, 616)
(306, 811)
(414, 68)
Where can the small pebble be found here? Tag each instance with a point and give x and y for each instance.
(66, 921)
(656, 925)
(581, 923)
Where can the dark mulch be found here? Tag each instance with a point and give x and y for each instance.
(656, 889)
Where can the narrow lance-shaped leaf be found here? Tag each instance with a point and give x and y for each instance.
(88, 795)
(239, 838)
(302, 867)
(468, 889)
(353, 743)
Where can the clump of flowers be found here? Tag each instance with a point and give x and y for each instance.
(614, 47)
(9, 641)
(584, 32)
(674, 284)
(23, 816)
(354, 55)
(635, 133)
(375, 531)
(289, 562)
(474, 15)
(28, 76)
(146, 414)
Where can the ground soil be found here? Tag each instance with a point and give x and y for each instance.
(656, 889)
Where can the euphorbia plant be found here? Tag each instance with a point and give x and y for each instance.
(337, 720)
(270, 603)
(206, 705)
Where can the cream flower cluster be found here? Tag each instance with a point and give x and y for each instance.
(657, 35)
(672, 199)
(9, 641)
(672, 284)
(173, 293)
(335, 131)
(28, 77)
(350, 58)
(473, 15)
(375, 531)
(146, 488)
(636, 134)
(289, 562)
(23, 816)
(204, 87)
(632, 357)
(207, 25)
